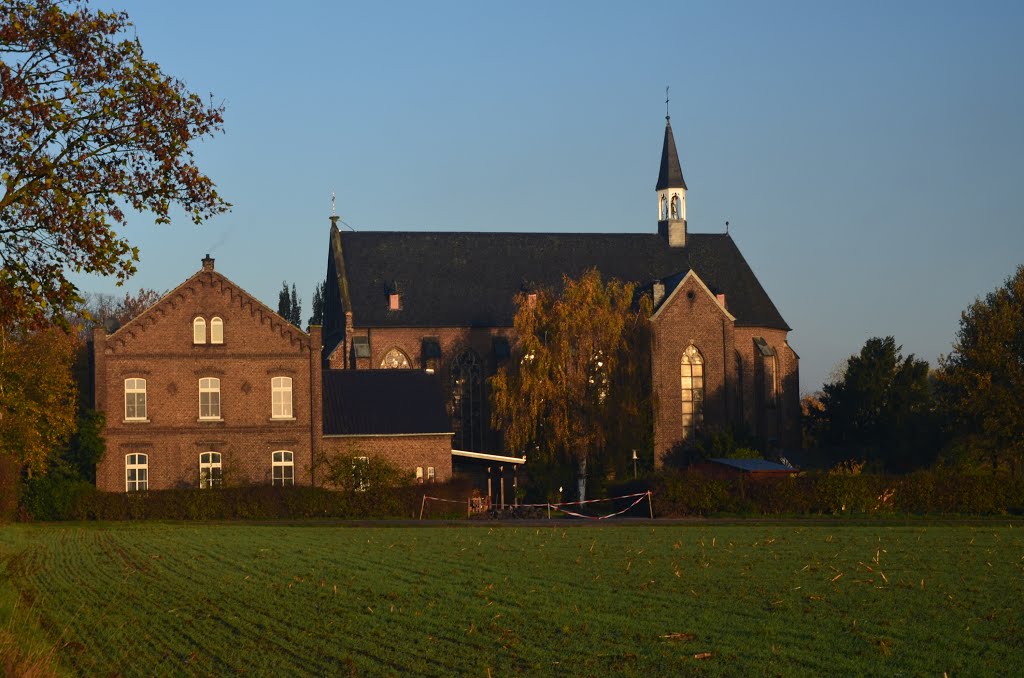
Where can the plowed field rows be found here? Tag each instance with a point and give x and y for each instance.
(724, 600)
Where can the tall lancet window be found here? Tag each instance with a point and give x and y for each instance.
(691, 370)
(467, 402)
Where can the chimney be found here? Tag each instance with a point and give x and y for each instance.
(208, 263)
(721, 301)
(394, 300)
(658, 291)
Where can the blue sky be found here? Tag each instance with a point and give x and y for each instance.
(867, 155)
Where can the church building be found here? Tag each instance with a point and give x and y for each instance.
(442, 302)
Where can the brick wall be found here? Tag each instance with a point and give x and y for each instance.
(158, 346)
(405, 452)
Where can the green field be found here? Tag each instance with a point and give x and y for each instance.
(210, 599)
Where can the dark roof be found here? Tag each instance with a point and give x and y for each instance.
(671, 173)
(459, 279)
(360, 402)
(755, 465)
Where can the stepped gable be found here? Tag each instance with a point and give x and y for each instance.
(383, 402)
(188, 290)
(469, 279)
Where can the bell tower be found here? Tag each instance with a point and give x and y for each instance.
(671, 191)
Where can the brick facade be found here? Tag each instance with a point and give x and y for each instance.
(735, 389)
(406, 452)
(158, 347)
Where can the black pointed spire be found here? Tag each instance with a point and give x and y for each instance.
(671, 174)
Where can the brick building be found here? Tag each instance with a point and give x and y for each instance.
(210, 386)
(442, 302)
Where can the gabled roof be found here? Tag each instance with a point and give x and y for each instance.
(210, 278)
(383, 402)
(671, 173)
(460, 279)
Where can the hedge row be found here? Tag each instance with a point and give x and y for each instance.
(679, 494)
(81, 501)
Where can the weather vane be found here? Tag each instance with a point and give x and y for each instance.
(334, 212)
(666, 102)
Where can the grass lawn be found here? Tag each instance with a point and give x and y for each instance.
(211, 599)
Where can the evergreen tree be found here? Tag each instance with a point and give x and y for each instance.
(284, 302)
(296, 309)
(318, 304)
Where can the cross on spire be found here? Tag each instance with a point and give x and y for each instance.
(666, 102)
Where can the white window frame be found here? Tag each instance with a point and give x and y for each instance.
(282, 467)
(281, 398)
(210, 387)
(199, 330)
(216, 330)
(360, 467)
(136, 472)
(210, 470)
(691, 373)
(134, 387)
(419, 475)
(430, 474)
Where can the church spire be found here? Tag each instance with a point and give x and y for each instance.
(671, 190)
(671, 174)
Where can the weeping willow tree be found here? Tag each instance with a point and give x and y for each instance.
(575, 370)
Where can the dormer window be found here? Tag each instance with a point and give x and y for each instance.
(216, 331)
(199, 331)
(431, 354)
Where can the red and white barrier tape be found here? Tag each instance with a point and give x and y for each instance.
(588, 501)
(639, 499)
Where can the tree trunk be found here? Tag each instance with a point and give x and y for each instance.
(582, 479)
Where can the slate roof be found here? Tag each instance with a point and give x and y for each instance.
(671, 173)
(755, 465)
(368, 402)
(460, 279)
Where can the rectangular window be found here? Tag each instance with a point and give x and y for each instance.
(210, 474)
(361, 473)
(281, 397)
(135, 399)
(209, 398)
(283, 468)
(361, 347)
(136, 472)
(430, 474)
(419, 474)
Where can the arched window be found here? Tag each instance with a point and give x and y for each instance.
(199, 331)
(209, 398)
(691, 370)
(281, 398)
(739, 388)
(136, 472)
(395, 360)
(209, 470)
(467, 402)
(135, 399)
(283, 468)
(216, 330)
(771, 380)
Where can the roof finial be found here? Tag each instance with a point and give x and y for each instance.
(666, 103)
(334, 211)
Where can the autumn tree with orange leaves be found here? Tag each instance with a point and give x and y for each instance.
(88, 128)
(576, 372)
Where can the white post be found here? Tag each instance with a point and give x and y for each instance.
(501, 480)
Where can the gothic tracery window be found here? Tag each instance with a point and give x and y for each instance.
(395, 360)
(691, 369)
(467, 402)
